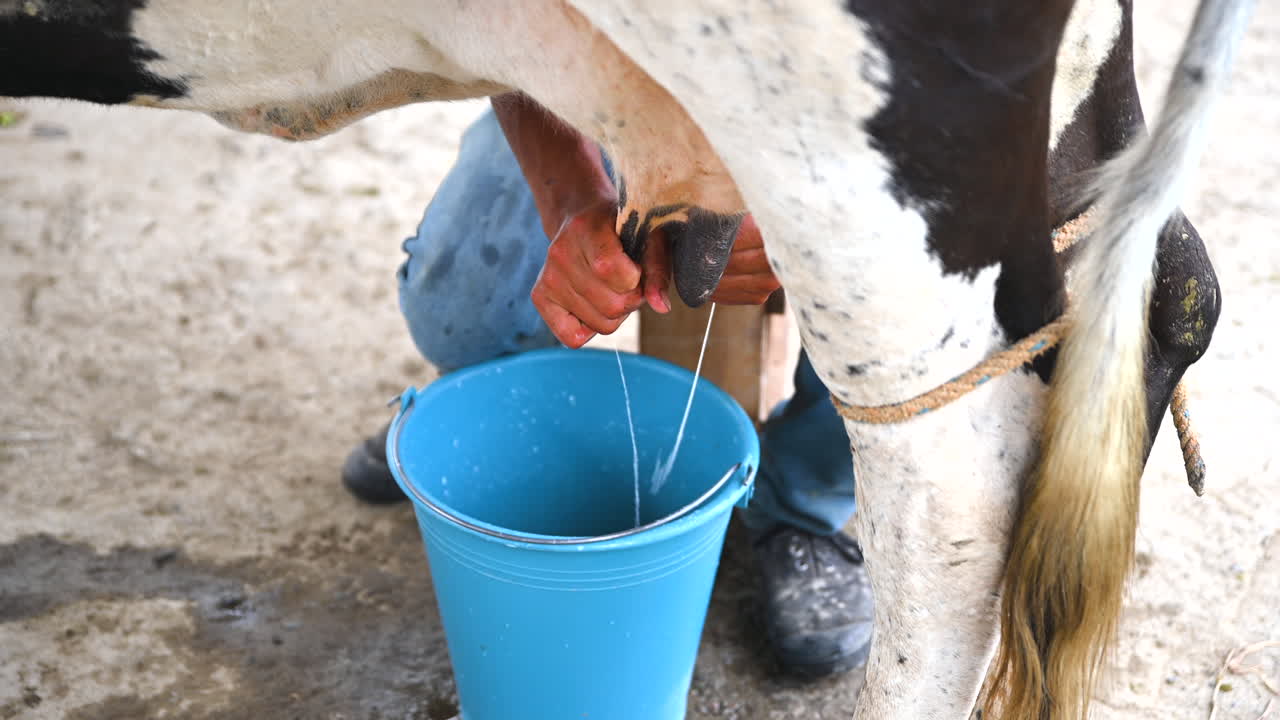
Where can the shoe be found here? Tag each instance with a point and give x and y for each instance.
(817, 601)
(366, 475)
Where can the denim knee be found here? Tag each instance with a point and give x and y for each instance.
(464, 287)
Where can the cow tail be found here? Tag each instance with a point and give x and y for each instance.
(1072, 544)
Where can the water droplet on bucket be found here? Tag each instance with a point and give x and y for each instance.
(573, 400)
(444, 480)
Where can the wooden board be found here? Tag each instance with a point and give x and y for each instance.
(735, 357)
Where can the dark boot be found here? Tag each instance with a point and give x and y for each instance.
(817, 601)
(366, 475)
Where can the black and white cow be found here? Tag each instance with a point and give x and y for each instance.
(894, 156)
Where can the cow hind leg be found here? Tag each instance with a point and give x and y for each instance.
(935, 537)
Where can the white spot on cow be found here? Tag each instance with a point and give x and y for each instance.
(1090, 34)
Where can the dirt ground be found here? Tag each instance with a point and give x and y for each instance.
(196, 325)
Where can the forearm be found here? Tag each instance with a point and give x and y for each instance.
(563, 167)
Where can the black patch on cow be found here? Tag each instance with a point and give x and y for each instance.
(946, 337)
(77, 49)
(966, 130)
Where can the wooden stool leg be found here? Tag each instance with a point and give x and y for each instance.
(781, 351)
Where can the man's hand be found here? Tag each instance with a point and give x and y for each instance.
(588, 284)
(748, 279)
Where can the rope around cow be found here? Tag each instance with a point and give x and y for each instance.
(1021, 353)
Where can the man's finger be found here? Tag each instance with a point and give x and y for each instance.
(748, 262)
(656, 275)
(748, 236)
(562, 323)
(588, 312)
(607, 261)
(746, 289)
(602, 300)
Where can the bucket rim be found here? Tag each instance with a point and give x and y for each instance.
(722, 495)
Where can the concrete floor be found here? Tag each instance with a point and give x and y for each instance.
(195, 326)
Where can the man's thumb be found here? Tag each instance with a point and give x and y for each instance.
(656, 272)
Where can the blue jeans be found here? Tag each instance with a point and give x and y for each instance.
(464, 292)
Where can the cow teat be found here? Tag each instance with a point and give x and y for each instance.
(699, 243)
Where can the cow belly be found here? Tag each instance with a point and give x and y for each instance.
(296, 70)
(323, 114)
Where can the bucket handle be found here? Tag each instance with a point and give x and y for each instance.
(405, 400)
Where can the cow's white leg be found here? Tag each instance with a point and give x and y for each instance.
(935, 536)
(784, 94)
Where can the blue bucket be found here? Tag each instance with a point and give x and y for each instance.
(555, 605)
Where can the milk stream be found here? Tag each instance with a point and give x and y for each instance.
(635, 453)
(661, 470)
